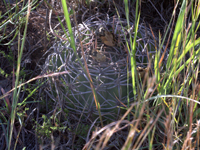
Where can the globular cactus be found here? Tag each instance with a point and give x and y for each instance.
(107, 60)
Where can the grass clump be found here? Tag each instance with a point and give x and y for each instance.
(140, 93)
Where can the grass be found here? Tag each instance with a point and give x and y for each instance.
(161, 111)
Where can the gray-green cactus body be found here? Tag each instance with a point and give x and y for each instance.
(109, 75)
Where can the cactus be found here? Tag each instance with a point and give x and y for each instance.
(107, 66)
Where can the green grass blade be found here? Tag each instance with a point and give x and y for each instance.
(178, 28)
(15, 97)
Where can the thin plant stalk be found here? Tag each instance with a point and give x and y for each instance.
(15, 95)
(73, 45)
